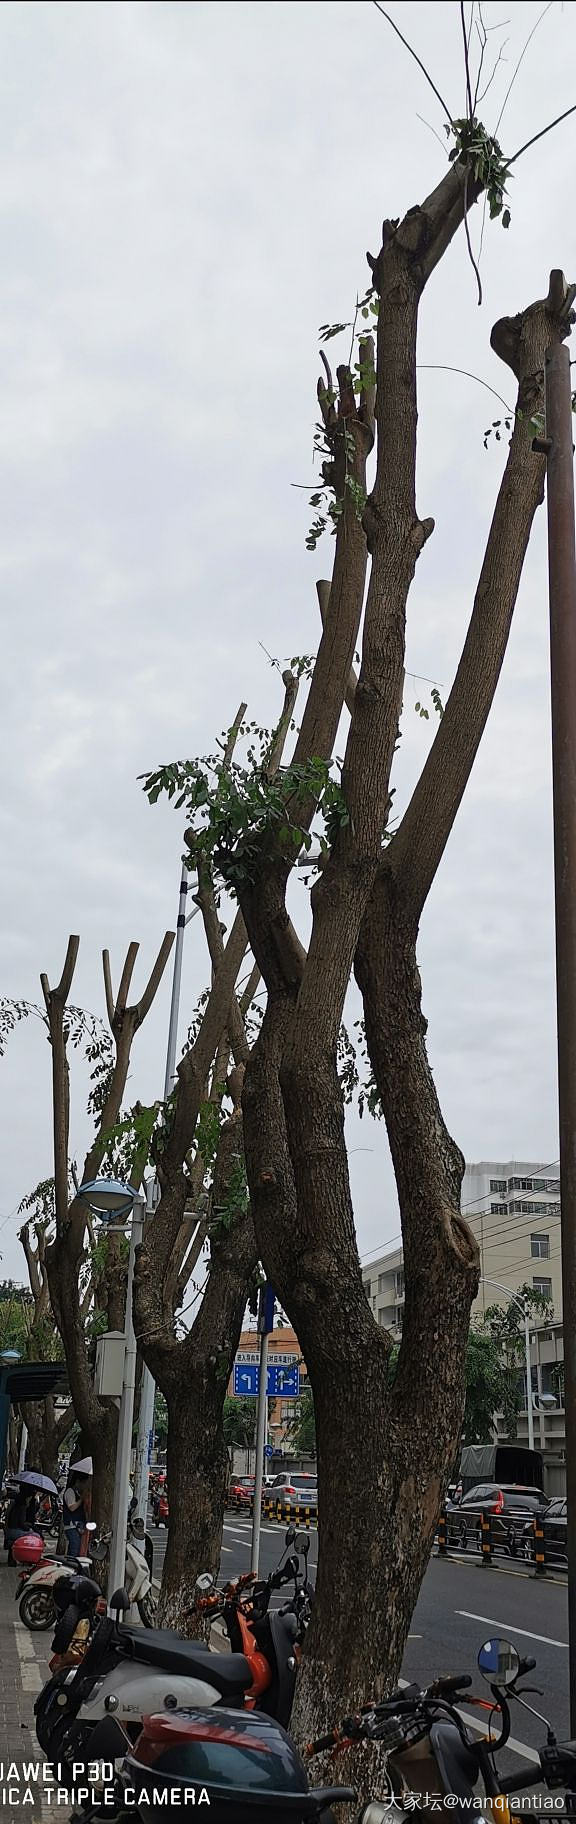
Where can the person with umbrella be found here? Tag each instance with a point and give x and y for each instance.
(23, 1511)
(76, 1505)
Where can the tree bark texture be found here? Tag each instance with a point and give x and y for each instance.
(193, 1375)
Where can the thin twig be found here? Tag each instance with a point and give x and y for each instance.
(542, 134)
(542, 16)
(466, 42)
(414, 54)
(444, 368)
(431, 129)
(469, 243)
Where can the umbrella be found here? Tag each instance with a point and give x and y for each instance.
(84, 1466)
(33, 1479)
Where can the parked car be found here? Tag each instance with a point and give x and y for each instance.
(556, 1531)
(241, 1492)
(295, 1487)
(510, 1508)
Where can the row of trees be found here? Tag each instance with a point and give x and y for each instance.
(249, 1152)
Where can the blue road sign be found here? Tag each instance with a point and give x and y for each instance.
(284, 1383)
(281, 1383)
(150, 1444)
(268, 1450)
(246, 1378)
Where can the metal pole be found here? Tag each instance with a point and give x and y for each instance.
(562, 589)
(261, 1427)
(146, 1412)
(23, 1443)
(529, 1406)
(125, 1422)
(148, 1384)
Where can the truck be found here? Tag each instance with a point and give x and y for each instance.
(507, 1463)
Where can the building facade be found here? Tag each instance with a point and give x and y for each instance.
(513, 1206)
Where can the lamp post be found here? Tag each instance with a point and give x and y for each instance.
(519, 1302)
(148, 1384)
(117, 1204)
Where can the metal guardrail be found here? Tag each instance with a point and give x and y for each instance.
(548, 1549)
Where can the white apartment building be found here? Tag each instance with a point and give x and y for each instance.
(513, 1206)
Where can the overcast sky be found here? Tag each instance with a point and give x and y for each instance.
(186, 192)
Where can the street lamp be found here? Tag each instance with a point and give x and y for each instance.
(116, 1203)
(515, 1300)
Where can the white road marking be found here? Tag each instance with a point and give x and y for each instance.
(509, 1629)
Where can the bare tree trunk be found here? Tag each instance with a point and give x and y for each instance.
(193, 1376)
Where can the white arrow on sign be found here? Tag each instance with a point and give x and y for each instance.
(246, 1378)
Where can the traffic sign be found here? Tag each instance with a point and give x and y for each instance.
(246, 1379)
(283, 1383)
(268, 1450)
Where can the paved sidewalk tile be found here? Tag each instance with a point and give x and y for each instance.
(23, 1670)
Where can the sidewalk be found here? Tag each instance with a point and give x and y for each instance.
(23, 1671)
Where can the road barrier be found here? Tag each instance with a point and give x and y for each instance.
(543, 1546)
(288, 1513)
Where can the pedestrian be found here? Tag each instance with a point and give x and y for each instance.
(76, 1505)
(20, 1517)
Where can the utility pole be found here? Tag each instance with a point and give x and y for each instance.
(265, 1325)
(147, 1384)
(562, 589)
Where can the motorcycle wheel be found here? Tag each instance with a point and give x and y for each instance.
(36, 1609)
(147, 1607)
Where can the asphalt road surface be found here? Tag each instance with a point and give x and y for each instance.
(461, 1604)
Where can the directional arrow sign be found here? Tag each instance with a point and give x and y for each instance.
(246, 1379)
(284, 1383)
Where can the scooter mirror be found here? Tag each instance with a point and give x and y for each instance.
(291, 1535)
(99, 1551)
(302, 1543)
(499, 1662)
(204, 1582)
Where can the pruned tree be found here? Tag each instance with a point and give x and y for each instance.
(47, 1429)
(199, 1148)
(77, 1280)
(385, 1444)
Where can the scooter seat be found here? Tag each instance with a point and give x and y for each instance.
(229, 1673)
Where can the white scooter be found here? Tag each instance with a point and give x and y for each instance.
(37, 1610)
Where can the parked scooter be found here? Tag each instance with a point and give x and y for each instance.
(242, 1764)
(36, 1587)
(39, 1571)
(131, 1674)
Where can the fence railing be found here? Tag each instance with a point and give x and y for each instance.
(541, 1542)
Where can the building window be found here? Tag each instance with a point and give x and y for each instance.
(382, 1277)
(399, 1284)
(368, 1288)
(499, 1184)
(498, 1209)
(544, 1286)
(540, 1247)
(382, 1318)
(398, 1316)
(520, 1184)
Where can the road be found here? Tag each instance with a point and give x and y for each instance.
(460, 1604)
